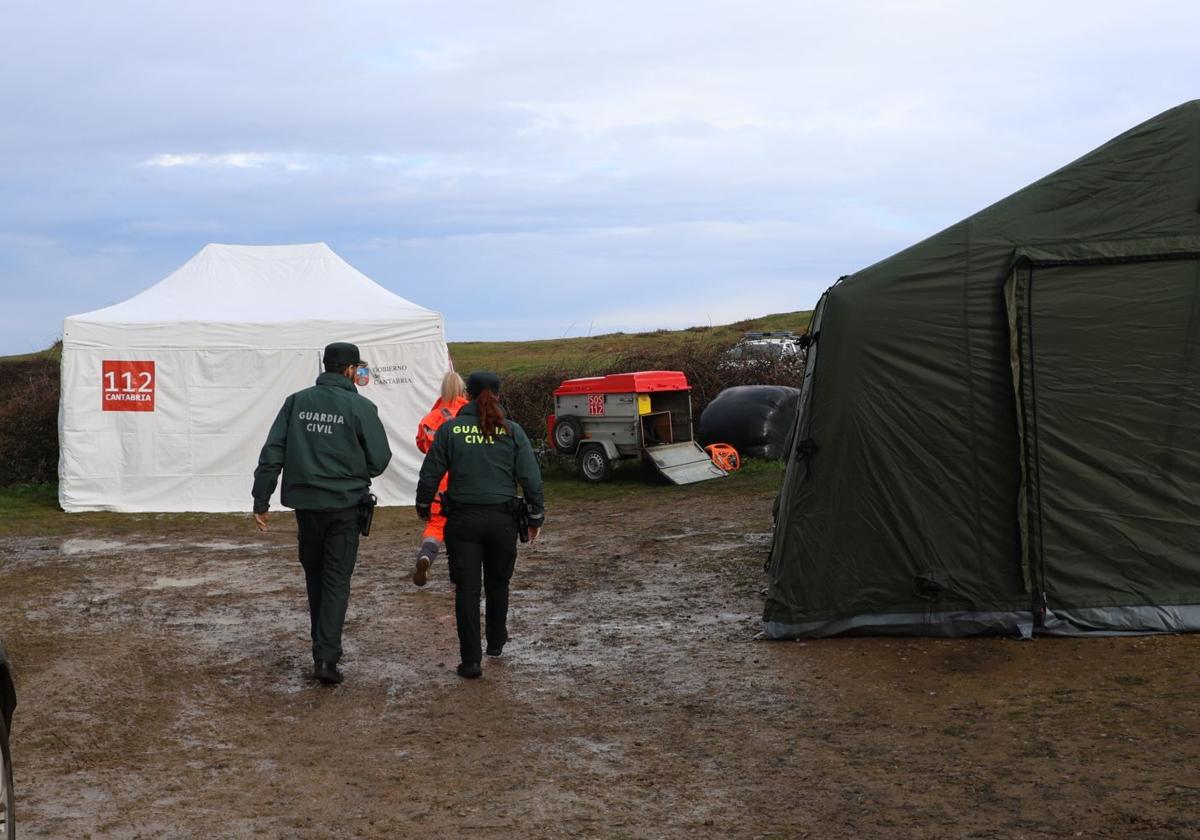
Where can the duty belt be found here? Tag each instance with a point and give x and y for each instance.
(450, 506)
(503, 507)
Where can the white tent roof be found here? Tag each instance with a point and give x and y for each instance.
(256, 296)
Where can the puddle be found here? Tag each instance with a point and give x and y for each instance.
(725, 618)
(597, 747)
(77, 547)
(723, 547)
(207, 622)
(177, 583)
(219, 545)
(687, 532)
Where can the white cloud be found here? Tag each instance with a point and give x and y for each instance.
(235, 160)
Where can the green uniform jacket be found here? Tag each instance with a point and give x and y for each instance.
(329, 443)
(484, 469)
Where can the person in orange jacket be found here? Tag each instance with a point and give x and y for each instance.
(454, 397)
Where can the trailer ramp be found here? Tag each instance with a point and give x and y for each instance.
(684, 463)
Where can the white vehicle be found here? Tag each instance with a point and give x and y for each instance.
(758, 348)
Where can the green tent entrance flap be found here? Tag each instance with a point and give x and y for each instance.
(1000, 426)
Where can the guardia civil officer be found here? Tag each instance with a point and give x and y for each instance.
(329, 443)
(487, 457)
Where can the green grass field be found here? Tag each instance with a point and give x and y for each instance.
(563, 481)
(32, 509)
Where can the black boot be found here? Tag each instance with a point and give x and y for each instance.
(496, 650)
(327, 672)
(470, 671)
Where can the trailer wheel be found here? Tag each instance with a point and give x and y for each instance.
(8, 824)
(568, 431)
(594, 464)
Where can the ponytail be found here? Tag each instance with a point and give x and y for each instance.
(491, 417)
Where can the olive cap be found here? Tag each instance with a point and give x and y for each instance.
(480, 380)
(342, 354)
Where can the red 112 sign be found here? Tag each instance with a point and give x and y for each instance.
(128, 386)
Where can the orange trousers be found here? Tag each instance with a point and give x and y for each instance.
(435, 526)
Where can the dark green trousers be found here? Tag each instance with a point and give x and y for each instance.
(328, 552)
(481, 540)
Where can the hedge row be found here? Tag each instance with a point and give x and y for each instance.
(530, 397)
(29, 422)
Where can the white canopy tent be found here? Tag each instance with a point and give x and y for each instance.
(168, 396)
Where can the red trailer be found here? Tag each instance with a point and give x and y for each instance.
(648, 414)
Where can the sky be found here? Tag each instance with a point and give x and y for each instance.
(545, 169)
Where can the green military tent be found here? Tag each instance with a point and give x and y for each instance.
(999, 429)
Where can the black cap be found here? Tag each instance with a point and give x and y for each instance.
(342, 354)
(481, 379)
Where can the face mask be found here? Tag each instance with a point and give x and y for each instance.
(362, 376)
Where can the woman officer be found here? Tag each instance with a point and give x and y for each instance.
(486, 457)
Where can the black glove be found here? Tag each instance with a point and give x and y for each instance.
(423, 511)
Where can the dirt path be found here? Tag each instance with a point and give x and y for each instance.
(163, 689)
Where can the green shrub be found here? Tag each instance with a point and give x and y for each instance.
(529, 397)
(29, 422)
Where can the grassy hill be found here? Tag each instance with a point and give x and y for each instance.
(51, 354)
(528, 356)
(518, 357)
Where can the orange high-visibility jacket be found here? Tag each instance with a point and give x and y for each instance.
(431, 422)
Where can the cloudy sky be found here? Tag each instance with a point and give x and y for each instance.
(540, 169)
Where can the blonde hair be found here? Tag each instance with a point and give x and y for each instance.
(452, 387)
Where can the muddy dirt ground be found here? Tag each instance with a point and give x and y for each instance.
(164, 693)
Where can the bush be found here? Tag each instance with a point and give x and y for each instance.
(529, 398)
(29, 422)
(709, 372)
